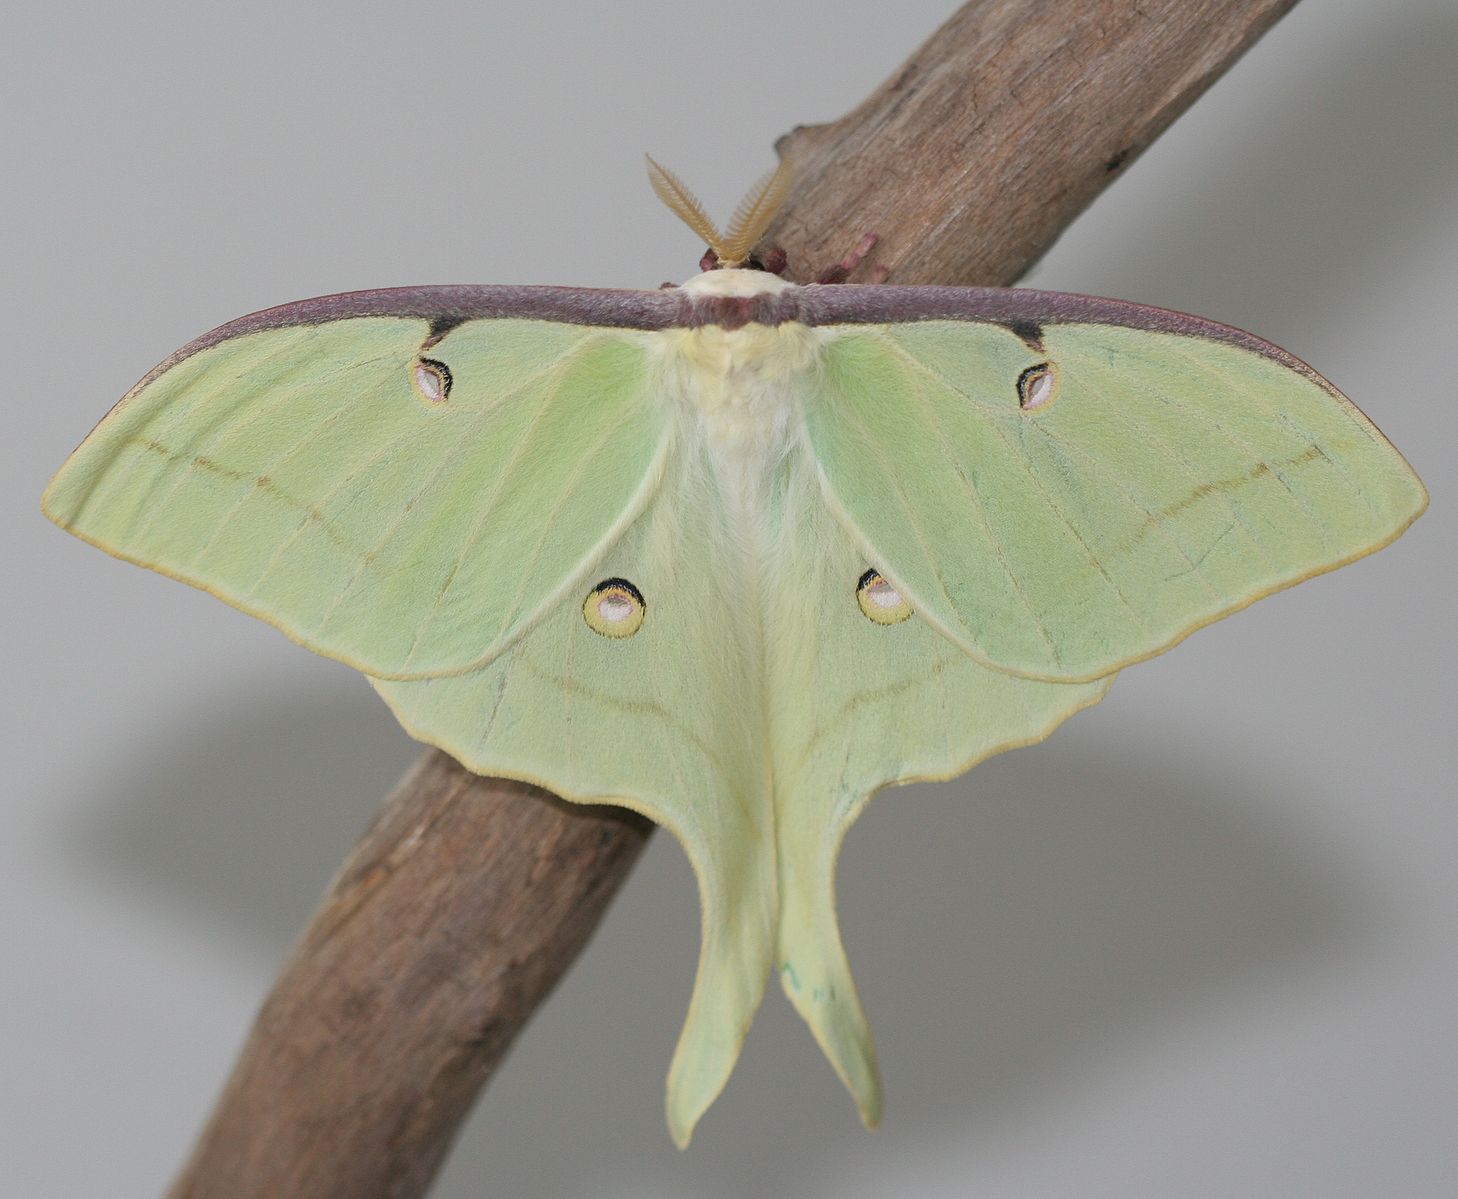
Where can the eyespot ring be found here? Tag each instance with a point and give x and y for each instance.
(614, 608)
(1036, 386)
(432, 380)
(880, 601)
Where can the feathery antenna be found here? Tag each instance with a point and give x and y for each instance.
(754, 214)
(751, 218)
(671, 190)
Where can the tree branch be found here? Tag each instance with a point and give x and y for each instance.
(469, 897)
(971, 159)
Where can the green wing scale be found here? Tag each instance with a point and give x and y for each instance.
(303, 475)
(757, 756)
(667, 722)
(1165, 482)
(736, 554)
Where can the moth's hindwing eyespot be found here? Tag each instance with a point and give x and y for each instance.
(1036, 386)
(879, 600)
(614, 608)
(432, 380)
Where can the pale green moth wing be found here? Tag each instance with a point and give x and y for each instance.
(1065, 486)
(754, 731)
(402, 491)
(739, 553)
(856, 704)
(665, 718)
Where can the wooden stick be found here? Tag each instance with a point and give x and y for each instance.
(469, 897)
(970, 160)
(443, 931)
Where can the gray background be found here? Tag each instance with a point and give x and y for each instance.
(1200, 943)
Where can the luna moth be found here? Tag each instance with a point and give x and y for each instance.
(739, 553)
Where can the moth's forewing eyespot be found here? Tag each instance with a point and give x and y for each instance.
(432, 380)
(1036, 386)
(879, 600)
(614, 608)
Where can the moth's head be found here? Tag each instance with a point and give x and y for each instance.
(732, 248)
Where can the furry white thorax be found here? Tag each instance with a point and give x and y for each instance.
(735, 282)
(742, 388)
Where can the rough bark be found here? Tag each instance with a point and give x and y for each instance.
(444, 929)
(469, 897)
(972, 158)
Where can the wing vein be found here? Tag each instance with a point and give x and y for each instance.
(457, 449)
(218, 435)
(994, 541)
(1053, 505)
(310, 515)
(380, 455)
(906, 506)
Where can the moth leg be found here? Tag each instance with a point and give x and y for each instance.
(774, 260)
(841, 271)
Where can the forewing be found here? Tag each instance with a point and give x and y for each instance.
(1167, 478)
(410, 524)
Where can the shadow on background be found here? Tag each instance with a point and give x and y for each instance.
(1004, 928)
(246, 814)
